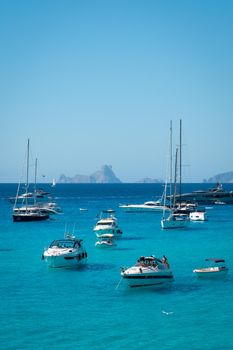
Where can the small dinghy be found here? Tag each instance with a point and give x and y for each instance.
(214, 268)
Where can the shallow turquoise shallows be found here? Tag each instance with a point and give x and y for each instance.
(91, 308)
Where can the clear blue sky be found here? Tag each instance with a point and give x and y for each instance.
(95, 82)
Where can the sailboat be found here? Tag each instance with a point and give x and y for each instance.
(37, 195)
(174, 220)
(27, 212)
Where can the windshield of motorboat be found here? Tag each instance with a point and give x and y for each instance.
(152, 203)
(106, 235)
(64, 243)
(149, 261)
(105, 223)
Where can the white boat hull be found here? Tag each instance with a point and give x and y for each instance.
(62, 261)
(198, 216)
(173, 224)
(114, 232)
(147, 279)
(142, 208)
(57, 259)
(107, 225)
(211, 272)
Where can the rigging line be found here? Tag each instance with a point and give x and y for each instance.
(118, 285)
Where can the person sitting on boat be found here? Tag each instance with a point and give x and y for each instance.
(77, 244)
(141, 261)
(165, 262)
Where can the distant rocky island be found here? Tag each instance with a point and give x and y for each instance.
(223, 178)
(104, 175)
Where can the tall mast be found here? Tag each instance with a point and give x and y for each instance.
(180, 156)
(169, 170)
(27, 173)
(170, 158)
(175, 180)
(35, 182)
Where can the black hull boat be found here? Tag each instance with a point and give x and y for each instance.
(30, 217)
(216, 195)
(26, 212)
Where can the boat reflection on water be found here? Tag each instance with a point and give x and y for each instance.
(105, 240)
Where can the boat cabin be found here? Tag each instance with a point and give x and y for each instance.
(148, 261)
(66, 243)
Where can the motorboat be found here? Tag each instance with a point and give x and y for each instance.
(105, 240)
(198, 215)
(22, 197)
(185, 208)
(215, 195)
(66, 252)
(192, 210)
(149, 206)
(40, 193)
(108, 224)
(30, 196)
(50, 208)
(219, 202)
(214, 268)
(148, 271)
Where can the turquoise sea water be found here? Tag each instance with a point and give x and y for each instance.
(87, 308)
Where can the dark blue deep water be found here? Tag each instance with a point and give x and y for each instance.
(86, 308)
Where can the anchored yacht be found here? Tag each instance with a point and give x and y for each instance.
(151, 206)
(66, 252)
(108, 224)
(213, 195)
(148, 271)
